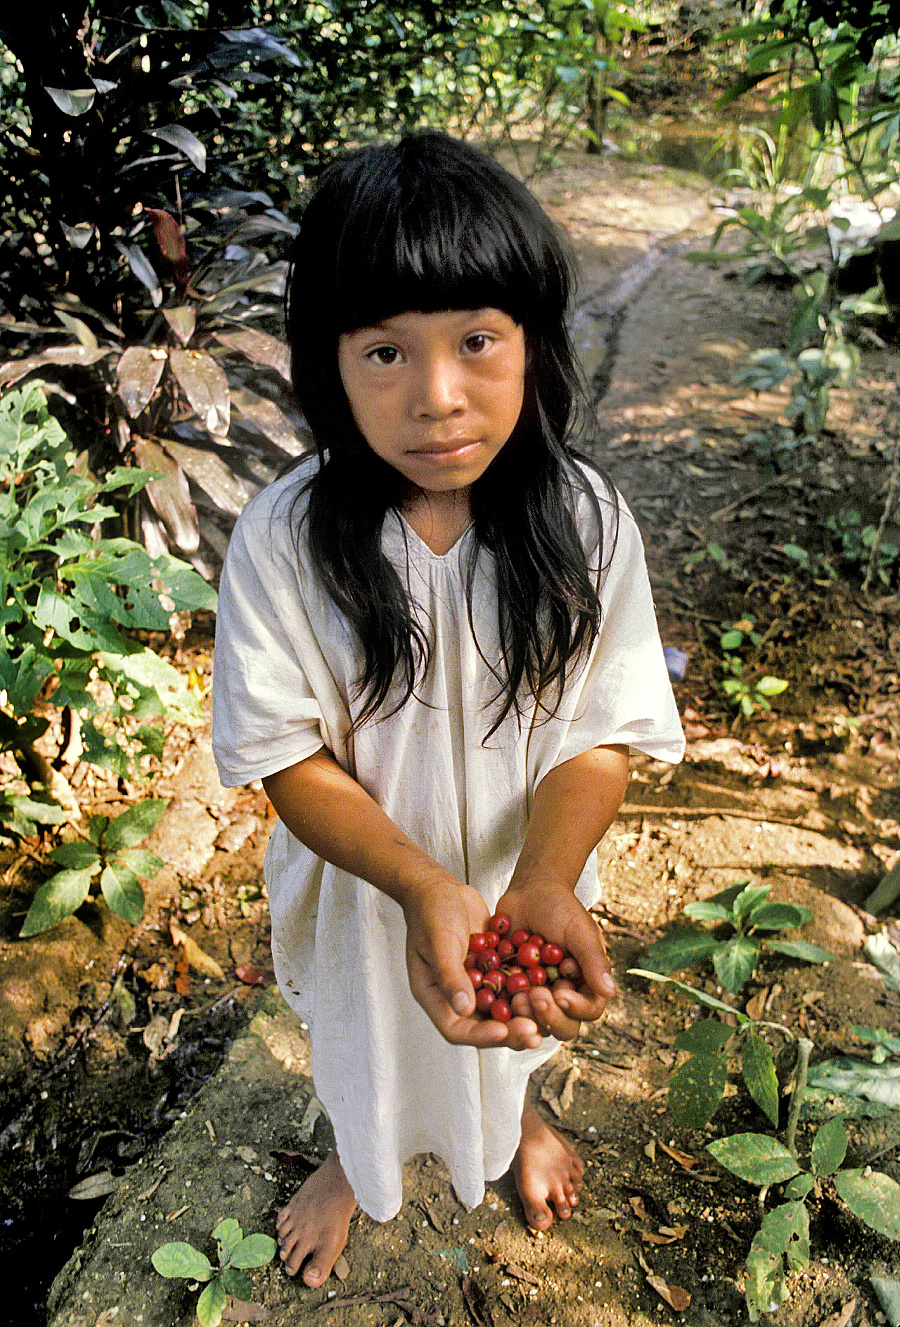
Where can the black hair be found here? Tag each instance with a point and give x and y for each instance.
(427, 225)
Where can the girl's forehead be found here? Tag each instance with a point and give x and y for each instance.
(420, 320)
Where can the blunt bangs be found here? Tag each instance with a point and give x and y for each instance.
(430, 224)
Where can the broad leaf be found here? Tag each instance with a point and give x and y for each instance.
(142, 269)
(696, 1088)
(707, 1034)
(58, 898)
(680, 949)
(269, 419)
(134, 824)
(779, 916)
(699, 997)
(77, 856)
(205, 385)
(873, 1197)
(122, 891)
(237, 1283)
(755, 1157)
(138, 371)
(758, 1069)
(142, 863)
(727, 896)
(72, 101)
(783, 1236)
(229, 1234)
(800, 949)
(261, 348)
(182, 139)
(800, 1187)
(253, 1251)
(858, 1078)
(735, 961)
(211, 1303)
(169, 494)
(829, 1147)
(182, 321)
(750, 897)
(181, 1259)
(208, 470)
(705, 911)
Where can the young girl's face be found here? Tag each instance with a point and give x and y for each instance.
(436, 395)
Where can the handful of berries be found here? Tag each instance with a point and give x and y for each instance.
(501, 963)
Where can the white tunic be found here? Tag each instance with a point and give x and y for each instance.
(286, 666)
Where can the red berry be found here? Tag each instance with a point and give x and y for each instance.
(484, 999)
(537, 976)
(475, 977)
(551, 953)
(536, 940)
(519, 937)
(477, 942)
(470, 960)
(516, 981)
(494, 981)
(529, 955)
(500, 1011)
(506, 949)
(488, 960)
(492, 938)
(568, 967)
(499, 923)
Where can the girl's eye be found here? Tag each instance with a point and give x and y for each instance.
(384, 354)
(475, 343)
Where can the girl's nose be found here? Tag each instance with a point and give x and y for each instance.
(438, 390)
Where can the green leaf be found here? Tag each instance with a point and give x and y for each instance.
(141, 862)
(77, 856)
(779, 916)
(680, 949)
(97, 826)
(707, 1034)
(237, 1283)
(253, 1251)
(750, 897)
(122, 891)
(727, 896)
(181, 1259)
(758, 1069)
(771, 686)
(705, 911)
(858, 1078)
(700, 997)
(134, 824)
(58, 898)
(735, 961)
(731, 640)
(873, 1197)
(229, 1234)
(886, 892)
(800, 949)
(211, 1303)
(800, 1187)
(829, 1147)
(755, 1157)
(696, 1088)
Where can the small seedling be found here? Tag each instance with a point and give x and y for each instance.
(110, 852)
(749, 695)
(882, 1042)
(744, 908)
(237, 1251)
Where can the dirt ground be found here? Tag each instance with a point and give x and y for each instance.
(111, 1053)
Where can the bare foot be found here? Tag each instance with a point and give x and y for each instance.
(315, 1223)
(547, 1171)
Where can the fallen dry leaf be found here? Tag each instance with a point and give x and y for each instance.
(649, 1238)
(521, 1274)
(683, 1158)
(198, 959)
(842, 1317)
(675, 1297)
(341, 1268)
(251, 975)
(476, 1302)
(567, 1095)
(650, 1150)
(242, 1310)
(95, 1186)
(756, 1005)
(637, 1206)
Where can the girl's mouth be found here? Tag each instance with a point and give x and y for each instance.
(447, 451)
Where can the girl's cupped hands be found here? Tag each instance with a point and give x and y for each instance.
(439, 922)
(550, 908)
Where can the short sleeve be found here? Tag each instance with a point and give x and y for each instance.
(622, 695)
(275, 701)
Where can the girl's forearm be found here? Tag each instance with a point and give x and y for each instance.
(573, 807)
(327, 810)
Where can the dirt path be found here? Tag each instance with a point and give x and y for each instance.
(805, 801)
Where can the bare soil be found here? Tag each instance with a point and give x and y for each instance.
(112, 1051)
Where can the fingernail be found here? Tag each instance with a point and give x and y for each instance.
(460, 1002)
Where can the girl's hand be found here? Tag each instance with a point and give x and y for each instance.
(551, 909)
(438, 925)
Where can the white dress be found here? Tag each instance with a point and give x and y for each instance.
(286, 664)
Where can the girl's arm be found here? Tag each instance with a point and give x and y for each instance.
(328, 811)
(573, 807)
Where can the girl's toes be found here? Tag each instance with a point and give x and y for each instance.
(539, 1217)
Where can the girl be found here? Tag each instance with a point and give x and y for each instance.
(435, 646)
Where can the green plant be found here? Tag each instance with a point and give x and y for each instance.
(107, 856)
(882, 1043)
(739, 917)
(781, 1245)
(859, 546)
(236, 1252)
(71, 601)
(753, 693)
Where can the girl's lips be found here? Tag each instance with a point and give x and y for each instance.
(448, 450)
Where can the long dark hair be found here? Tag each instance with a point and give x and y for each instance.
(429, 225)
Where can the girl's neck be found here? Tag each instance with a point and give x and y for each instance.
(439, 519)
